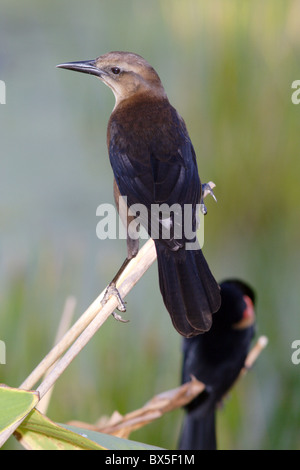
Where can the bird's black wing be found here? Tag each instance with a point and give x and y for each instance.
(159, 169)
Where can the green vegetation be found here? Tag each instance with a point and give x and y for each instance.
(228, 68)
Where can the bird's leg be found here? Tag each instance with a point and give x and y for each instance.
(112, 290)
(206, 189)
(132, 250)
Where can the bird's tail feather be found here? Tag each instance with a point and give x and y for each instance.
(190, 292)
(198, 433)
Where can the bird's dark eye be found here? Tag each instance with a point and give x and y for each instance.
(115, 70)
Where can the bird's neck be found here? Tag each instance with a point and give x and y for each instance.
(138, 115)
(140, 95)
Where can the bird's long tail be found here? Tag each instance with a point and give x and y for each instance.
(190, 292)
(198, 432)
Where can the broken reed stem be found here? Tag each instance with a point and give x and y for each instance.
(134, 271)
(84, 329)
(43, 404)
(253, 354)
(62, 345)
(77, 346)
(63, 327)
(163, 403)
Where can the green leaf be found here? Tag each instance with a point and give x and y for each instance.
(111, 442)
(38, 432)
(14, 405)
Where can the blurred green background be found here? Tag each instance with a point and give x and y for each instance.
(227, 67)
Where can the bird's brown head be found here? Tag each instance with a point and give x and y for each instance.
(126, 73)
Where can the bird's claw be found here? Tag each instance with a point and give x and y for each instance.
(206, 189)
(119, 318)
(203, 208)
(112, 290)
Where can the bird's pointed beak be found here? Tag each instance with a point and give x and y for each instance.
(85, 66)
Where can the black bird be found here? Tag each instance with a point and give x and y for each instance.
(216, 359)
(154, 163)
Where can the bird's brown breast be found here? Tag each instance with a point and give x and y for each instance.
(143, 122)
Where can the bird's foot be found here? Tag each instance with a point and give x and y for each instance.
(118, 317)
(112, 290)
(207, 188)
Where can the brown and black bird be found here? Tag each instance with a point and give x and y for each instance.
(154, 163)
(216, 359)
